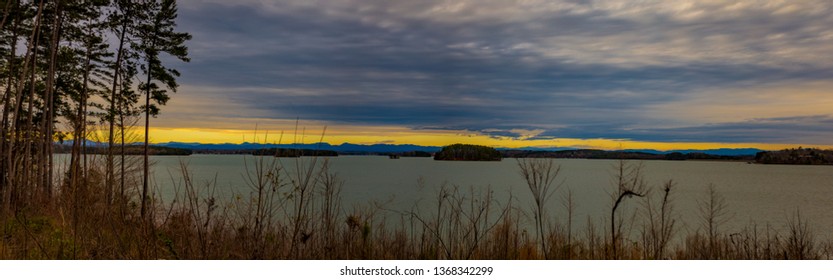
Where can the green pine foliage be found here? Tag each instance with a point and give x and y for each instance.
(157, 35)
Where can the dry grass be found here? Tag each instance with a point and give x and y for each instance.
(292, 214)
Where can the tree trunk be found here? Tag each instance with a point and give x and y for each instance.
(146, 168)
(5, 165)
(6, 12)
(46, 152)
(15, 183)
(122, 173)
(111, 117)
(80, 129)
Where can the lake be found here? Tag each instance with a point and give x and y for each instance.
(763, 194)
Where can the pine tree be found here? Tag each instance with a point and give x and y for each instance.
(86, 71)
(123, 20)
(10, 30)
(19, 157)
(157, 35)
(126, 108)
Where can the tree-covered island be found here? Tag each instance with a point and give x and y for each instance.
(467, 152)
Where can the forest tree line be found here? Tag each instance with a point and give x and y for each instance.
(131, 150)
(77, 69)
(468, 152)
(805, 156)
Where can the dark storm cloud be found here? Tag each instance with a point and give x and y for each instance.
(579, 69)
(812, 129)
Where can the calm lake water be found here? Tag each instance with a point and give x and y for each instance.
(763, 194)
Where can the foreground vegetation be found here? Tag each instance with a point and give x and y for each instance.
(298, 214)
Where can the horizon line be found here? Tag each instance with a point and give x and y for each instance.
(434, 146)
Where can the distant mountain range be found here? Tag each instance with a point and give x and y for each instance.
(717, 152)
(342, 148)
(349, 148)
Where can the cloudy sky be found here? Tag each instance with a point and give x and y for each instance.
(635, 74)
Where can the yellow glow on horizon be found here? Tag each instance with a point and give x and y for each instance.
(394, 135)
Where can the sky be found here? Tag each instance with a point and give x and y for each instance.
(665, 74)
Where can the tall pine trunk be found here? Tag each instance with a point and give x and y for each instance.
(122, 165)
(6, 11)
(20, 136)
(5, 168)
(48, 127)
(146, 166)
(76, 171)
(111, 117)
